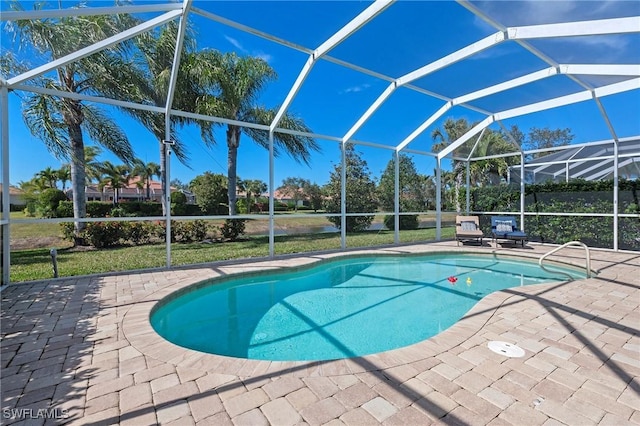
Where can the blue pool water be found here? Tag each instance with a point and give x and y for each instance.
(341, 308)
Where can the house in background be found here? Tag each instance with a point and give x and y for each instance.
(16, 195)
(135, 190)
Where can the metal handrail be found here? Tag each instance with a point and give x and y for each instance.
(570, 243)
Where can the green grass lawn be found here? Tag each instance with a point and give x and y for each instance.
(35, 264)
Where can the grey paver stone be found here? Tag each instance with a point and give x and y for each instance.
(175, 393)
(214, 380)
(447, 371)
(496, 397)
(251, 418)
(521, 414)
(280, 412)
(135, 396)
(472, 381)
(245, 402)
(380, 408)
(101, 403)
(358, 417)
(562, 413)
(282, 386)
(140, 416)
(110, 386)
(301, 398)
(205, 405)
(154, 373)
(483, 409)
(322, 411)
(407, 416)
(435, 405)
(323, 387)
(164, 382)
(219, 419)
(614, 420)
(168, 413)
(355, 395)
(630, 398)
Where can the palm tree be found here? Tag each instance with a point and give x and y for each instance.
(238, 83)
(48, 176)
(61, 122)
(117, 177)
(453, 130)
(254, 187)
(150, 73)
(146, 172)
(64, 175)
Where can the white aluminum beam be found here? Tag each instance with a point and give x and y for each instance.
(428, 122)
(177, 54)
(250, 30)
(610, 89)
(372, 108)
(6, 186)
(632, 70)
(96, 47)
(354, 25)
(580, 28)
(302, 76)
(464, 138)
(88, 98)
(510, 84)
(18, 15)
(342, 34)
(454, 57)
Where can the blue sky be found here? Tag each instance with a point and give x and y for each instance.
(405, 37)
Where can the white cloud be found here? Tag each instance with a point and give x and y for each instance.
(356, 89)
(256, 53)
(235, 43)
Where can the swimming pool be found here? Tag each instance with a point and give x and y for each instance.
(339, 308)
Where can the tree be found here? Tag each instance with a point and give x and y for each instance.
(361, 192)
(239, 82)
(177, 183)
(546, 138)
(210, 190)
(150, 72)
(117, 177)
(64, 175)
(254, 188)
(146, 172)
(61, 123)
(49, 176)
(315, 195)
(452, 131)
(412, 197)
(293, 188)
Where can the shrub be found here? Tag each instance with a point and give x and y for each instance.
(98, 208)
(407, 222)
(232, 228)
(178, 209)
(65, 209)
(139, 232)
(178, 198)
(104, 234)
(49, 200)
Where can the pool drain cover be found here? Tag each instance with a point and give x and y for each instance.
(506, 349)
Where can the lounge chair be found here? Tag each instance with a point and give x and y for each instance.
(468, 228)
(506, 228)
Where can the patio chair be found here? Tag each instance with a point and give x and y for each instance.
(468, 229)
(506, 228)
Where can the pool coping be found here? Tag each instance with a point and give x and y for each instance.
(138, 331)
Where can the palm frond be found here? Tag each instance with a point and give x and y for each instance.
(104, 131)
(298, 147)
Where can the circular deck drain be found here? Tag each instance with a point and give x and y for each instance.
(506, 349)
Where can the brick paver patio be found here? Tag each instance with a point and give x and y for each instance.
(82, 350)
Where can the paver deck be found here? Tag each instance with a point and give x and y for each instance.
(81, 351)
